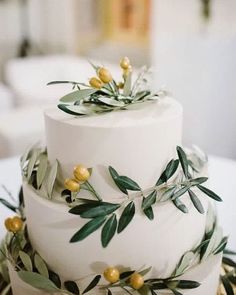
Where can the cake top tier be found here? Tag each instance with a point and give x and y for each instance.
(103, 94)
(150, 113)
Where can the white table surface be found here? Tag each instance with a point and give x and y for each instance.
(222, 180)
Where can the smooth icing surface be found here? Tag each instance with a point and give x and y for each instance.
(137, 143)
(159, 243)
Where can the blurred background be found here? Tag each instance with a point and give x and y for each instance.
(191, 45)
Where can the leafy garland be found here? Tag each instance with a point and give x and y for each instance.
(103, 94)
(33, 270)
(176, 180)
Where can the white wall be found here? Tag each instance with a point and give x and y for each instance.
(197, 62)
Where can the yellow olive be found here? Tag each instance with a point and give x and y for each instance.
(8, 223)
(104, 75)
(16, 224)
(81, 173)
(95, 83)
(111, 274)
(72, 185)
(136, 281)
(124, 63)
(121, 85)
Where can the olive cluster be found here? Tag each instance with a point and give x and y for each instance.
(112, 275)
(14, 224)
(81, 174)
(104, 76)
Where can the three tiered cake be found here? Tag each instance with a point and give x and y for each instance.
(114, 205)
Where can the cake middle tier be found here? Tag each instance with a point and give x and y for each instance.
(137, 143)
(159, 243)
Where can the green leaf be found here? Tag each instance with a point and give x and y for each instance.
(77, 95)
(128, 183)
(32, 162)
(180, 192)
(183, 160)
(102, 209)
(229, 262)
(88, 228)
(210, 193)
(126, 216)
(26, 260)
(126, 274)
(93, 284)
(110, 101)
(72, 287)
(41, 265)
(168, 193)
(37, 281)
(149, 213)
(25, 156)
(226, 283)
(127, 85)
(109, 230)
(109, 292)
(76, 109)
(170, 170)
(221, 246)
(79, 209)
(54, 277)
(199, 180)
(180, 205)
(187, 284)
(175, 292)
(114, 176)
(52, 178)
(149, 200)
(42, 169)
(184, 263)
(145, 271)
(196, 202)
(8, 205)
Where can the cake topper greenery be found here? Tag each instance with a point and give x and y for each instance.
(103, 94)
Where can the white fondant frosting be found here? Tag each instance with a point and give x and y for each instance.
(159, 243)
(137, 143)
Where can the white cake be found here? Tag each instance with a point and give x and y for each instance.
(138, 143)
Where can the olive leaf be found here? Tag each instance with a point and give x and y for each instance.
(170, 170)
(26, 260)
(109, 230)
(126, 274)
(180, 205)
(54, 277)
(183, 160)
(221, 246)
(82, 208)
(227, 286)
(114, 176)
(102, 209)
(72, 287)
(41, 265)
(32, 162)
(111, 101)
(179, 192)
(42, 169)
(8, 205)
(149, 213)
(210, 193)
(187, 284)
(128, 183)
(184, 263)
(149, 200)
(126, 216)
(93, 284)
(196, 202)
(88, 228)
(52, 178)
(37, 281)
(78, 95)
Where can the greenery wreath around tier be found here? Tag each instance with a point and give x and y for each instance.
(103, 94)
(31, 268)
(179, 178)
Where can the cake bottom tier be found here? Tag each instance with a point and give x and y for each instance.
(207, 274)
